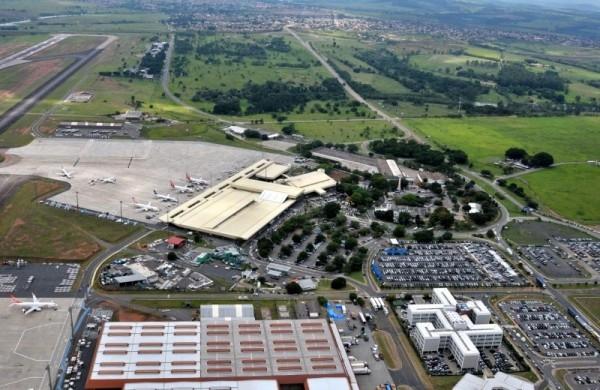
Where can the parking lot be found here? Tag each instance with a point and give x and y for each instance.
(364, 348)
(550, 262)
(583, 379)
(467, 264)
(583, 249)
(139, 167)
(21, 279)
(549, 331)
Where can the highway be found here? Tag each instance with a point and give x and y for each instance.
(409, 133)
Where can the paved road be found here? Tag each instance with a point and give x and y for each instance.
(165, 77)
(350, 91)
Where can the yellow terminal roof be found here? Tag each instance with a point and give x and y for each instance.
(238, 207)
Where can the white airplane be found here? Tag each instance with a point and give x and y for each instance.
(196, 181)
(64, 173)
(144, 206)
(181, 189)
(105, 180)
(35, 305)
(164, 197)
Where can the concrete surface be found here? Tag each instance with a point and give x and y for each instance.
(29, 343)
(138, 165)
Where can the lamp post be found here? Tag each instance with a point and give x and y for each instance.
(77, 199)
(121, 208)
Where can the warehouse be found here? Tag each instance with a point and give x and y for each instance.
(294, 352)
(239, 207)
(227, 312)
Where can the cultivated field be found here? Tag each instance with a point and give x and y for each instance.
(32, 230)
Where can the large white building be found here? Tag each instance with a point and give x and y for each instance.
(461, 328)
(209, 354)
(500, 381)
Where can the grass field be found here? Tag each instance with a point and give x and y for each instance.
(538, 232)
(32, 230)
(590, 305)
(105, 22)
(71, 45)
(18, 81)
(568, 139)
(569, 190)
(342, 131)
(11, 43)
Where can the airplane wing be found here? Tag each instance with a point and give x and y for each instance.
(28, 311)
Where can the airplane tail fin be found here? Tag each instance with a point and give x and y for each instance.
(187, 176)
(172, 184)
(14, 300)
(154, 191)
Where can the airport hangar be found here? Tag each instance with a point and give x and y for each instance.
(210, 354)
(240, 206)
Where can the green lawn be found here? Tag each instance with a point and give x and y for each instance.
(32, 230)
(569, 190)
(358, 276)
(538, 232)
(341, 131)
(590, 305)
(486, 139)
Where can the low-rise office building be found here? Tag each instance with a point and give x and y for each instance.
(461, 328)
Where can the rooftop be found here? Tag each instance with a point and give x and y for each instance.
(211, 350)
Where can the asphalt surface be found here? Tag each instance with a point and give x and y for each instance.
(21, 108)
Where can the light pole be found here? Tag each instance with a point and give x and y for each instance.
(49, 377)
(121, 208)
(77, 199)
(71, 318)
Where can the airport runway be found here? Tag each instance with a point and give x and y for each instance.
(18, 110)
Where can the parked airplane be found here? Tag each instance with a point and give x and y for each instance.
(181, 189)
(64, 173)
(35, 305)
(196, 181)
(110, 179)
(144, 206)
(164, 197)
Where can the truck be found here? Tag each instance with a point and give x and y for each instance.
(358, 364)
(540, 282)
(374, 303)
(362, 317)
(361, 371)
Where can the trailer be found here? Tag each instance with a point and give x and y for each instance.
(361, 371)
(362, 317)
(374, 303)
(381, 302)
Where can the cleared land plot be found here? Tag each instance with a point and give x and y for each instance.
(32, 230)
(537, 232)
(139, 167)
(568, 190)
(590, 305)
(118, 21)
(29, 343)
(18, 81)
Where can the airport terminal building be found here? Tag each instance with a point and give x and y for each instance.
(461, 328)
(240, 206)
(235, 354)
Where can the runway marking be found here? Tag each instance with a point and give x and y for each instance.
(21, 338)
(21, 380)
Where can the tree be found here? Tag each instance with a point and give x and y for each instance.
(360, 301)
(443, 217)
(322, 300)
(541, 160)
(331, 209)
(293, 288)
(447, 236)
(338, 283)
(171, 256)
(399, 231)
(301, 257)
(352, 296)
(352, 148)
(264, 246)
(490, 234)
(289, 129)
(515, 153)
(423, 236)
